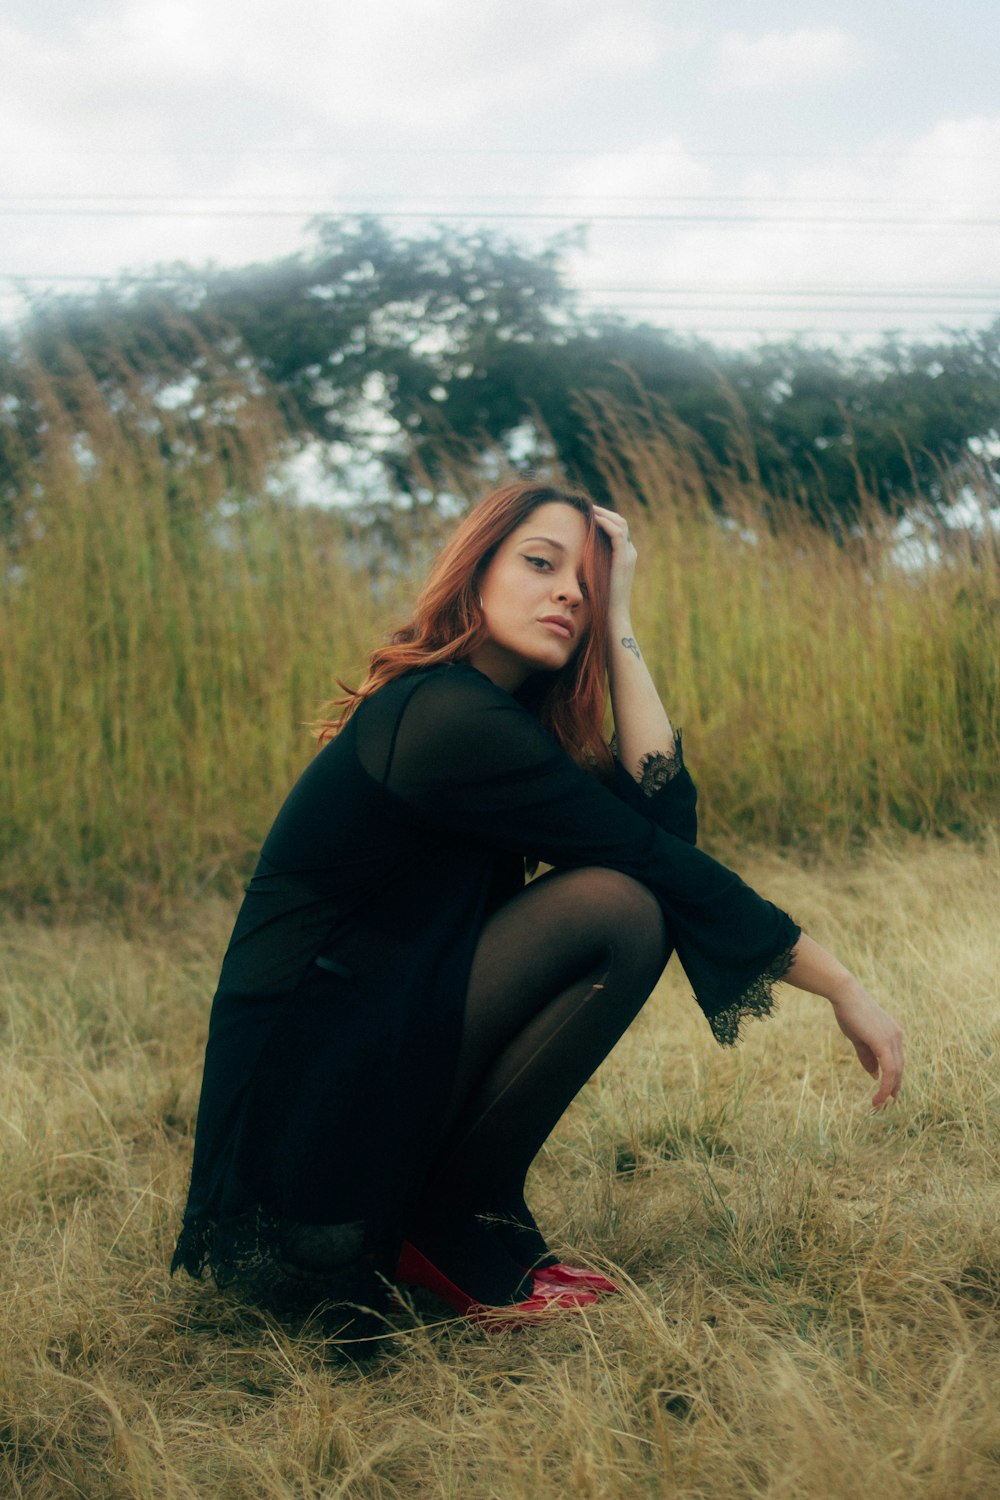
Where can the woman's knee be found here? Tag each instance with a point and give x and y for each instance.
(614, 905)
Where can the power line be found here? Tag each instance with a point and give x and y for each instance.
(777, 307)
(916, 302)
(768, 221)
(916, 289)
(663, 154)
(686, 317)
(888, 307)
(756, 330)
(717, 289)
(928, 202)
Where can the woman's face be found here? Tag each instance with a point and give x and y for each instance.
(534, 603)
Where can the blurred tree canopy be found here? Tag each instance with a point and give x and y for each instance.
(378, 345)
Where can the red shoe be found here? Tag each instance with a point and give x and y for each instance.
(561, 1275)
(415, 1269)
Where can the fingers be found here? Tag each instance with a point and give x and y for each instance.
(611, 523)
(877, 1040)
(623, 558)
(883, 1097)
(867, 1058)
(891, 1063)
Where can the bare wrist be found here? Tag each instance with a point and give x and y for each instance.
(816, 970)
(846, 991)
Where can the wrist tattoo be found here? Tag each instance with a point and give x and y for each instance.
(629, 643)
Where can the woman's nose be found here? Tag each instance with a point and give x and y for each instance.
(570, 591)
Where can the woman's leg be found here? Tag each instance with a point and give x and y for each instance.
(559, 972)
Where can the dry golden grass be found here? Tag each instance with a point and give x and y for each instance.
(811, 1292)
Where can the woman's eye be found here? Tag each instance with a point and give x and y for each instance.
(542, 561)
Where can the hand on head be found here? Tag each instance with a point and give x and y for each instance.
(623, 561)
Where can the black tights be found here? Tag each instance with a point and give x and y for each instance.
(558, 974)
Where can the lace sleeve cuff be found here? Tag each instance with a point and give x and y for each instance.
(657, 769)
(757, 1001)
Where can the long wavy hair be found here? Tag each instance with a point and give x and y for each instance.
(448, 624)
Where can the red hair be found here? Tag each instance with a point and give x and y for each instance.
(448, 624)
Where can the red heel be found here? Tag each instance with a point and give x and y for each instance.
(414, 1269)
(562, 1275)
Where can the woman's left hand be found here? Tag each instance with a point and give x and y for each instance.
(876, 1038)
(623, 561)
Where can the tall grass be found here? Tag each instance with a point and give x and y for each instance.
(170, 623)
(829, 684)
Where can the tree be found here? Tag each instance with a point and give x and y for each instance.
(375, 345)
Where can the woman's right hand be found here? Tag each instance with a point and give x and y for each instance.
(875, 1036)
(623, 560)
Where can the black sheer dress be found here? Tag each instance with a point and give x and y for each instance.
(336, 1022)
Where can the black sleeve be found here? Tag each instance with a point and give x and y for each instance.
(664, 793)
(465, 755)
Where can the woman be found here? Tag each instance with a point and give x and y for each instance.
(400, 1021)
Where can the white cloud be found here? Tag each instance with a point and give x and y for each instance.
(947, 174)
(621, 42)
(656, 168)
(785, 59)
(429, 64)
(166, 97)
(436, 64)
(958, 160)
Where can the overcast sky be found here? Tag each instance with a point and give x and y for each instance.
(688, 136)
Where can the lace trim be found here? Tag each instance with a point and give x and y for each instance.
(657, 769)
(756, 1002)
(249, 1254)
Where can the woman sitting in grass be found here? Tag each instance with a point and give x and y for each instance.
(400, 1021)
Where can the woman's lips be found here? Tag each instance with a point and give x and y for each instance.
(562, 627)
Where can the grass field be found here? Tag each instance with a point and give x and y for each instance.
(811, 1292)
